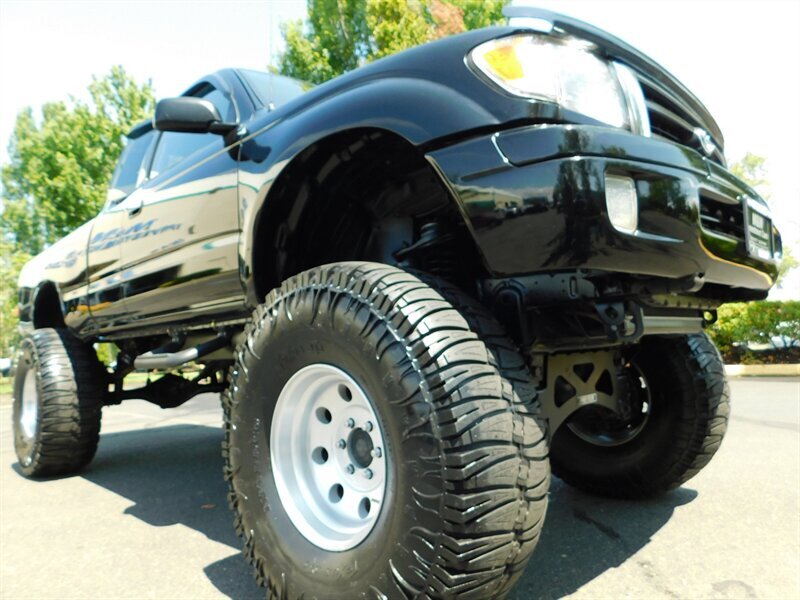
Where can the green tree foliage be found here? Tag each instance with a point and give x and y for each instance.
(11, 262)
(752, 169)
(340, 35)
(330, 42)
(60, 168)
(58, 174)
(743, 324)
(395, 26)
(480, 13)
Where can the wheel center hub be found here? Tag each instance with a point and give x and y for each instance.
(29, 413)
(328, 457)
(360, 446)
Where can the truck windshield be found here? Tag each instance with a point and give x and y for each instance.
(274, 89)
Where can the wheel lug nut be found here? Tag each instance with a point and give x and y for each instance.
(350, 469)
(376, 453)
(341, 444)
(368, 426)
(351, 423)
(368, 473)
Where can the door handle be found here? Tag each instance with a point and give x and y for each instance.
(135, 210)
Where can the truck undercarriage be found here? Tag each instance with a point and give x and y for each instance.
(417, 289)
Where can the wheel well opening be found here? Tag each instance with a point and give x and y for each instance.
(364, 194)
(47, 310)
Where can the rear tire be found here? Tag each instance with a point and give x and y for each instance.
(690, 404)
(59, 387)
(466, 481)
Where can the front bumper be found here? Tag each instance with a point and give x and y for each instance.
(534, 199)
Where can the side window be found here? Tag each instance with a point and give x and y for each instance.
(174, 147)
(221, 101)
(131, 168)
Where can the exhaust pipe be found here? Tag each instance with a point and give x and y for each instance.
(161, 358)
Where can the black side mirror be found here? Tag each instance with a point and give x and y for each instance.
(189, 115)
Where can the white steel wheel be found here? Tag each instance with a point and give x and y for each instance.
(29, 413)
(328, 457)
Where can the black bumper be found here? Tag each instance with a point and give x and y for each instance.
(534, 199)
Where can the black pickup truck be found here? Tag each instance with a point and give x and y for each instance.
(418, 288)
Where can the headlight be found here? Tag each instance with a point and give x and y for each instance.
(565, 71)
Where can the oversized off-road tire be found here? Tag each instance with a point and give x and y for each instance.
(688, 403)
(507, 357)
(59, 387)
(362, 367)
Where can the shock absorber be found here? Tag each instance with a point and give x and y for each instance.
(433, 252)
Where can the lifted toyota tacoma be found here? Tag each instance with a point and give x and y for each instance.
(417, 288)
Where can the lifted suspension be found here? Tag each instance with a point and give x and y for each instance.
(602, 380)
(171, 390)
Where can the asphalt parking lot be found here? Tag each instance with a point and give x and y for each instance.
(148, 519)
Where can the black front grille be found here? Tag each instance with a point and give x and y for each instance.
(722, 217)
(673, 119)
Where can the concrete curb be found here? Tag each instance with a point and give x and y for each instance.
(763, 370)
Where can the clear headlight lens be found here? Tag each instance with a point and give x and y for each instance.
(561, 70)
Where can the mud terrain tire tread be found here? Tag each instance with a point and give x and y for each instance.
(696, 379)
(71, 387)
(487, 531)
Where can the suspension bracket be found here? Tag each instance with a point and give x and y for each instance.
(581, 379)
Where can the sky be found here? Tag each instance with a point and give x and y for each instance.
(741, 58)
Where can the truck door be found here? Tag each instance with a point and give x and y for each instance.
(180, 259)
(104, 273)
